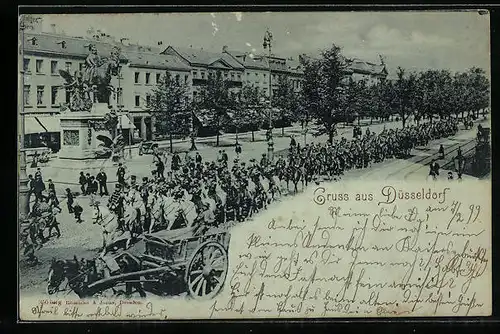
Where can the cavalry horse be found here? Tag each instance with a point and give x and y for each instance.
(169, 213)
(112, 232)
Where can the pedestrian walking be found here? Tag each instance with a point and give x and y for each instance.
(69, 200)
(82, 181)
(441, 151)
(88, 183)
(198, 158)
(102, 179)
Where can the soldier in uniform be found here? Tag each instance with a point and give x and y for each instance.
(120, 173)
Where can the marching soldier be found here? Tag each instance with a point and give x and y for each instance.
(120, 173)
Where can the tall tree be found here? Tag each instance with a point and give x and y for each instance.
(286, 100)
(168, 103)
(405, 88)
(248, 109)
(479, 87)
(323, 88)
(215, 101)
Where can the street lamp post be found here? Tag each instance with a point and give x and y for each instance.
(23, 198)
(267, 44)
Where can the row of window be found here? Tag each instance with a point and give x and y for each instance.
(41, 96)
(204, 75)
(54, 66)
(148, 81)
(55, 91)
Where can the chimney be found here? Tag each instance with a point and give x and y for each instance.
(224, 48)
(160, 42)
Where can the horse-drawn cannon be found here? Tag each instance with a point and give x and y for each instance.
(199, 263)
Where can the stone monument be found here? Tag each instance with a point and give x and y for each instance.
(88, 125)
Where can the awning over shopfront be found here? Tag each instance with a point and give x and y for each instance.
(50, 124)
(125, 123)
(34, 124)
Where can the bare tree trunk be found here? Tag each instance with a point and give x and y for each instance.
(283, 129)
(236, 135)
(330, 134)
(253, 135)
(171, 143)
(217, 129)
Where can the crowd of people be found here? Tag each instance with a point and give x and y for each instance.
(242, 188)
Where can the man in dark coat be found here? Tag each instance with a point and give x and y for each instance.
(102, 178)
(82, 181)
(70, 200)
(89, 184)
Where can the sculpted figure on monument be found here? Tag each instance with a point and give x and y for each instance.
(96, 78)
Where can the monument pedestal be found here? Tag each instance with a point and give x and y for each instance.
(80, 145)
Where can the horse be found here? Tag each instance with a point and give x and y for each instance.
(102, 78)
(110, 225)
(75, 273)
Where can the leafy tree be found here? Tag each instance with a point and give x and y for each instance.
(323, 88)
(286, 100)
(247, 113)
(215, 101)
(479, 87)
(168, 103)
(404, 90)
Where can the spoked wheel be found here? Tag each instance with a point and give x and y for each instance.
(207, 270)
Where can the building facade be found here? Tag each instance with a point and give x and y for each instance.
(45, 97)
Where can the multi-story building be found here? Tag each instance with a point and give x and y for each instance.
(205, 64)
(363, 70)
(256, 69)
(44, 94)
(141, 74)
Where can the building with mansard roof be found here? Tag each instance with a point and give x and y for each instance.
(204, 64)
(44, 95)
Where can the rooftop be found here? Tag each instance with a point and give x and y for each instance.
(65, 45)
(200, 56)
(155, 60)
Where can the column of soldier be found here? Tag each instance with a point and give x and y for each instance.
(244, 183)
(250, 186)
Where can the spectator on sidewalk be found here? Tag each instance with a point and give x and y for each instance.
(441, 151)
(39, 187)
(52, 187)
(102, 178)
(82, 181)
(88, 180)
(94, 185)
(70, 200)
(198, 158)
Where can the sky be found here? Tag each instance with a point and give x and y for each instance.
(413, 40)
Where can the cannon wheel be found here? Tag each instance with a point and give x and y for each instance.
(207, 270)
